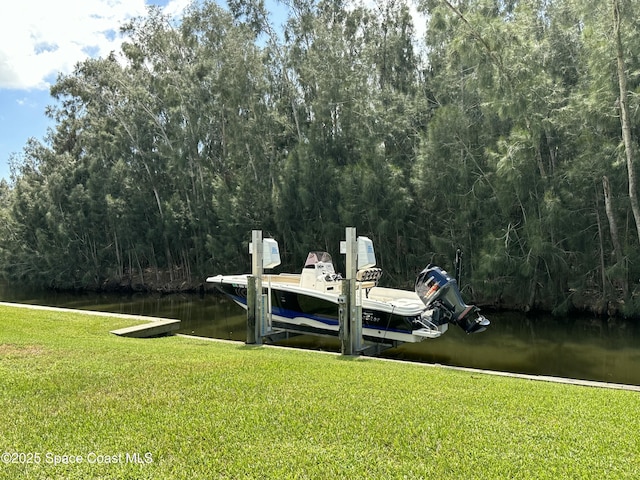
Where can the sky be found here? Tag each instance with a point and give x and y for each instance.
(40, 39)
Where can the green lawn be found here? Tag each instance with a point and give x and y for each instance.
(188, 408)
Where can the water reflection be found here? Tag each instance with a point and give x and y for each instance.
(574, 347)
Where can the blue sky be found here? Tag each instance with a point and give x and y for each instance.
(40, 39)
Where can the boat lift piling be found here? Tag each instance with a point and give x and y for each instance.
(264, 254)
(254, 290)
(350, 314)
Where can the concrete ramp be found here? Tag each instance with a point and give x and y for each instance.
(153, 328)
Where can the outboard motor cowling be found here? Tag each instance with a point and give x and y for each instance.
(439, 291)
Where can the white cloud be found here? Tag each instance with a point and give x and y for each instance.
(41, 38)
(175, 7)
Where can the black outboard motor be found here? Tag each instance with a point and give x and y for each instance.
(439, 291)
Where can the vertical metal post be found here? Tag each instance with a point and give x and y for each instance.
(251, 309)
(352, 327)
(256, 272)
(343, 318)
(356, 309)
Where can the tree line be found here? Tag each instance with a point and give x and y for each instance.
(508, 130)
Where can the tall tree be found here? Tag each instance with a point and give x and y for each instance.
(625, 119)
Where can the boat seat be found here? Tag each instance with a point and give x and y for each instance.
(407, 302)
(369, 275)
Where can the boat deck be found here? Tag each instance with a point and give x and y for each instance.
(286, 278)
(404, 298)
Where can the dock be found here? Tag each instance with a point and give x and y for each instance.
(154, 327)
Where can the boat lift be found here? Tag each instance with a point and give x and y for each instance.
(264, 255)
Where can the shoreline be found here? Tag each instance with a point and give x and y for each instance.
(146, 319)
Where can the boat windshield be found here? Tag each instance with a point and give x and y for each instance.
(317, 257)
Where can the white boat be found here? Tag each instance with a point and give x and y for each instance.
(308, 302)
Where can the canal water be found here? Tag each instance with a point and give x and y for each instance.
(581, 347)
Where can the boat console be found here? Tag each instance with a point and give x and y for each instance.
(319, 274)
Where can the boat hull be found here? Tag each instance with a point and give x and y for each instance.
(306, 311)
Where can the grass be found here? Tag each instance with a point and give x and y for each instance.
(201, 409)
